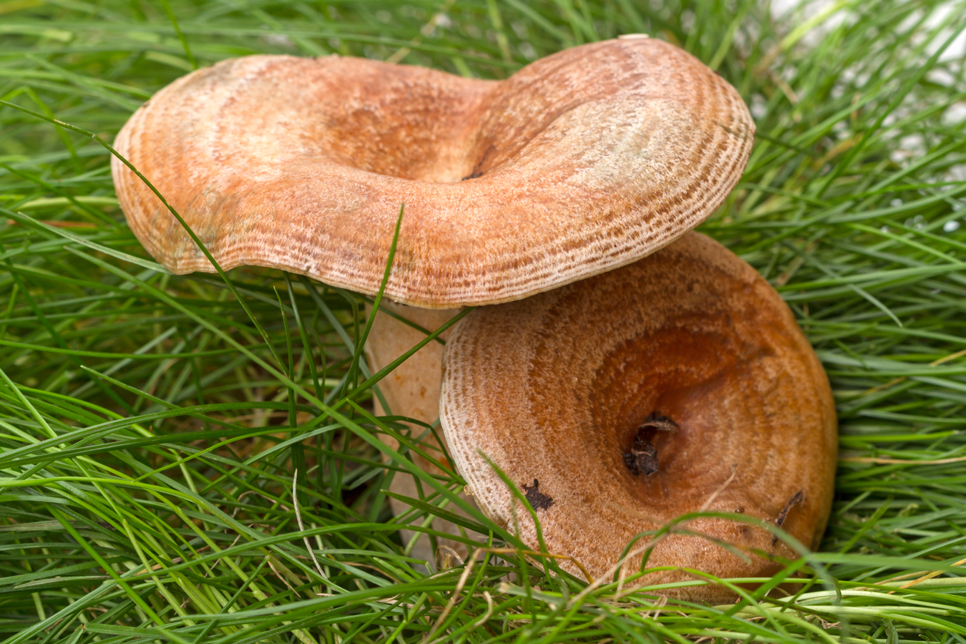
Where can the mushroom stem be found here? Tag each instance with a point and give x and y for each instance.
(412, 390)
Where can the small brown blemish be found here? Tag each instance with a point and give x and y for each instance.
(537, 499)
(642, 459)
(473, 175)
(797, 499)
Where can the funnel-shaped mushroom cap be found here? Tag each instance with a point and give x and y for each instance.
(626, 400)
(581, 162)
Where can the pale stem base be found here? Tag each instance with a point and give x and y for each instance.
(412, 390)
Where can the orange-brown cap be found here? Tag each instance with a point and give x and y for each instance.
(677, 384)
(579, 163)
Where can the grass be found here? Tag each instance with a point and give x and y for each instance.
(151, 426)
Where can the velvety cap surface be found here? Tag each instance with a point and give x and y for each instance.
(688, 355)
(580, 162)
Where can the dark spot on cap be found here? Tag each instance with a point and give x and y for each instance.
(537, 499)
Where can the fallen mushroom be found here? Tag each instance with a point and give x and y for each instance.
(579, 163)
(690, 346)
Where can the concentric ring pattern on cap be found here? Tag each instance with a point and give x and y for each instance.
(554, 390)
(579, 163)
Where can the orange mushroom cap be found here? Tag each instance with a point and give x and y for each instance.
(677, 384)
(579, 163)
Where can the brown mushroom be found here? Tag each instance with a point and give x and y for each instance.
(687, 356)
(579, 163)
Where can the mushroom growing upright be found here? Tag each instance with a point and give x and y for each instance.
(674, 385)
(579, 163)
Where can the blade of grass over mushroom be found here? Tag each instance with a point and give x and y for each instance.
(857, 170)
(430, 337)
(546, 557)
(409, 323)
(357, 355)
(181, 221)
(340, 391)
(422, 476)
(326, 409)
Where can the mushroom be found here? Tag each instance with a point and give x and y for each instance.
(579, 163)
(674, 385)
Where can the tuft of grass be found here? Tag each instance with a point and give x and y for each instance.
(191, 459)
